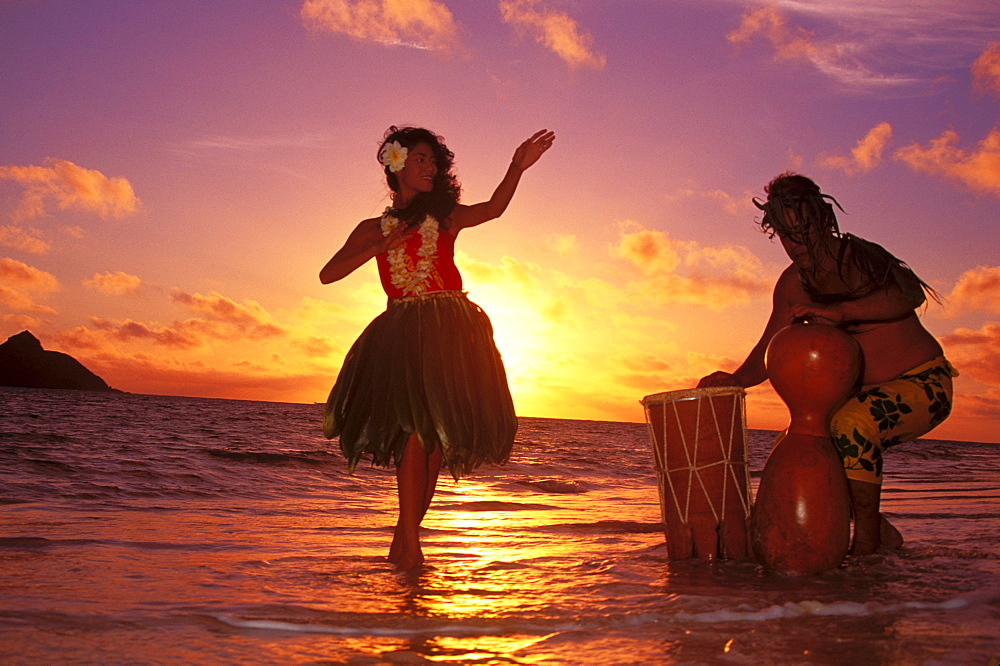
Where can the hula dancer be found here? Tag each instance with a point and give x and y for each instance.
(424, 384)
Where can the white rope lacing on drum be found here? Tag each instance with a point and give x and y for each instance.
(736, 418)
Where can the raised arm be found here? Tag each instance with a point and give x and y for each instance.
(365, 242)
(526, 154)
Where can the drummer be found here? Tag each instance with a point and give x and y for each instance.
(836, 278)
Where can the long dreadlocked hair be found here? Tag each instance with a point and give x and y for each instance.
(442, 199)
(797, 210)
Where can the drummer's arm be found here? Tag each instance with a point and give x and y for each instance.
(753, 371)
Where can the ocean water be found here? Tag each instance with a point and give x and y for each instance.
(163, 530)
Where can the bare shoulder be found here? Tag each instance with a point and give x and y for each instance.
(370, 228)
(789, 283)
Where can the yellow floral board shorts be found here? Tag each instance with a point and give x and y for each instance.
(882, 415)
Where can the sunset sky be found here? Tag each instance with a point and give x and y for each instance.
(173, 175)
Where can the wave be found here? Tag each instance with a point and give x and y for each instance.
(555, 486)
(603, 527)
(799, 609)
(315, 458)
(497, 505)
(421, 626)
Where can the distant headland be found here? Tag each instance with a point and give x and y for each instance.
(24, 363)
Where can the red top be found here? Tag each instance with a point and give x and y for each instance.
(442, 275)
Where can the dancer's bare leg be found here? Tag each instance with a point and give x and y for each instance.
(433, 469)
(416, 479)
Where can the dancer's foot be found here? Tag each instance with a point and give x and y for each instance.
(405, 555)
(409, 562)
(405, 551)
(394, 549)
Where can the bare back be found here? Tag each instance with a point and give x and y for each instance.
(890, 344)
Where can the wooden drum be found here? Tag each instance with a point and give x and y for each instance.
(699, 447)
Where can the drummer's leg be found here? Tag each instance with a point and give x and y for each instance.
(858, 441)
(865, 498)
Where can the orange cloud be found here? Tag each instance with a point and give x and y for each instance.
(21, 274)
(976, 353)
(554, 30)
(25, 240)
(114, 284)
(977, 289)
(63, 185)
(978, 169)
(19, 283)
(165, 376)
(986, 70)
(425, 24)
(15, 323)
(686, 272)
(866, 154)
(249, 318)
(78, 337)
(227, 321)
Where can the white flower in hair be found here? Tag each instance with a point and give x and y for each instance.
(393, 156)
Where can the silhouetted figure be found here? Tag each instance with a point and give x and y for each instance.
(424, 385)
(904, 388)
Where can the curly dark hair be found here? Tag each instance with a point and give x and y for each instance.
(442, 199)
(796, 209)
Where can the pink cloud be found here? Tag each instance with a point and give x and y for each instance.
(795, 44)
(175, 337)
(986, 70)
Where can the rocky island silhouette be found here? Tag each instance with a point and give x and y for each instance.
(24, 363)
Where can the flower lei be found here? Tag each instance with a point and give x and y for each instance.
(393, 155)
(405, 276)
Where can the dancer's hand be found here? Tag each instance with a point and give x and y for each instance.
(395, 238)
(532, 149)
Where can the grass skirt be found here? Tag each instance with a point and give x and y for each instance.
(427, 365)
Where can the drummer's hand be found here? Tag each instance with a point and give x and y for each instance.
(810, 312)
(718, 378)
